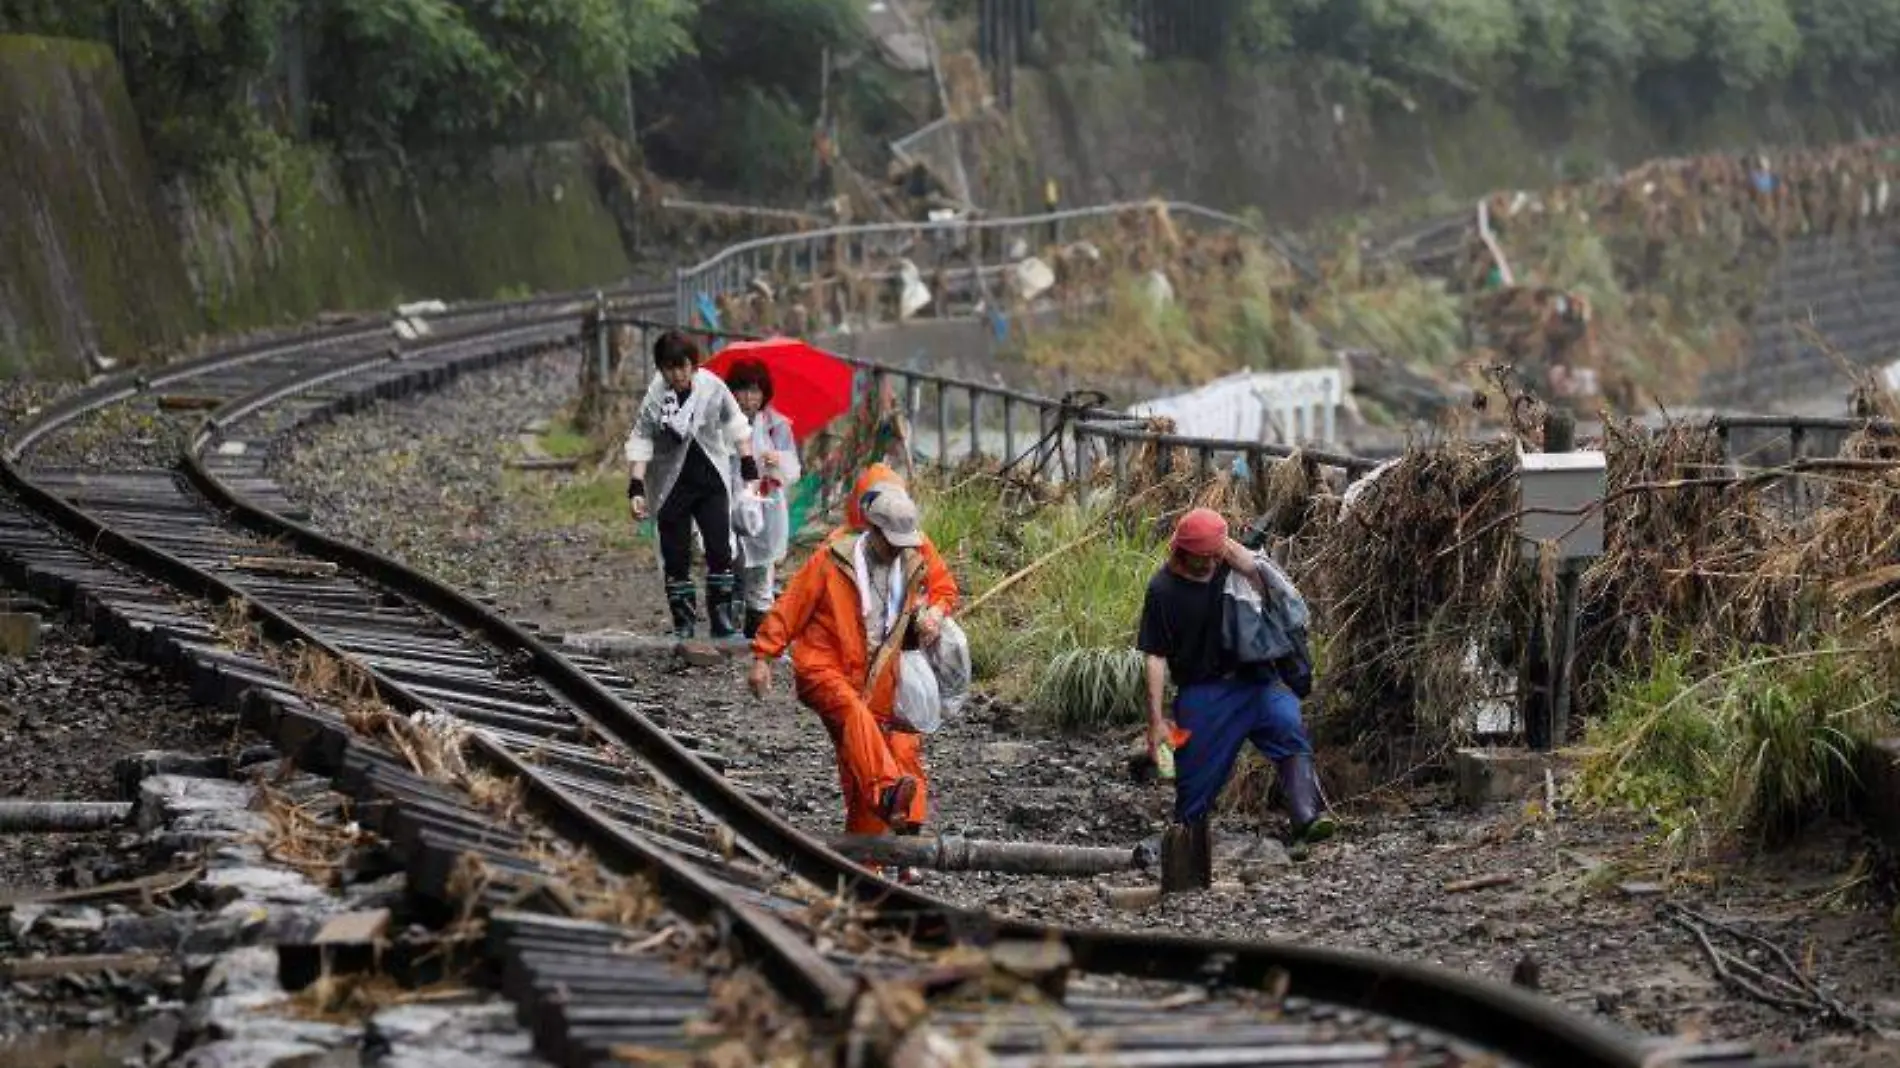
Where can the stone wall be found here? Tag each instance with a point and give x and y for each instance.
(88, 262)
(97, 260)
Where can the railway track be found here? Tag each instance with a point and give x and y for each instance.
(596, 840)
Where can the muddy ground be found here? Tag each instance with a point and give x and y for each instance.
(1565, 897)
(67, 714)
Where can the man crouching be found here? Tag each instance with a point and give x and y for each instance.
(1221, 701)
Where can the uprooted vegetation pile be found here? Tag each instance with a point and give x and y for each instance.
(1621, 292)
(1722, 617)
(1669, 262)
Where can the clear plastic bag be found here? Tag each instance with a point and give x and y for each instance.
(748, 514)
(950, 662)
(918, 704)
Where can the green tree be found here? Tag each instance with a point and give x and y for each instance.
(402, 73)
(1852, 43)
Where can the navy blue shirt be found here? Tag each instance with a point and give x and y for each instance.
(1181, 622)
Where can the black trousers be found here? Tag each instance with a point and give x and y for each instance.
(686, 507)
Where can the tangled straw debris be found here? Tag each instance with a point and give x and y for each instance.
(1421, 568)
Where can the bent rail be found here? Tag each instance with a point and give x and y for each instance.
(1510, 1022)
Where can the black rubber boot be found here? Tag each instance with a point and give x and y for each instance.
(679, 602)
(753, 619)
(722, 605)
(1301, 787)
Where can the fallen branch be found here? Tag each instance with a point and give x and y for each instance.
(969, 854)
(1031, 568)
(39, 817)
(1800, 994)
(285, 565)
(146, 888)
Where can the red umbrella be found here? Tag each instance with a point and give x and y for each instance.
(810, 387)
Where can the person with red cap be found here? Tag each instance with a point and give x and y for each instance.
(1220, 702)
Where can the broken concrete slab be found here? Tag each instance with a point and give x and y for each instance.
(251, 886)
(1879, 807)
(165, 799)
(134, 768)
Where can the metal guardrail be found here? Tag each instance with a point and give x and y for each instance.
(872, 249)
(954, 420)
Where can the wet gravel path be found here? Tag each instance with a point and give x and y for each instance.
(427, 481)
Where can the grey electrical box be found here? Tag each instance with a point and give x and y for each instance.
(1569, 486)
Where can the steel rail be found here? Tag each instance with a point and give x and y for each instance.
(1510, 1022)
(818, 986)
(804, 975)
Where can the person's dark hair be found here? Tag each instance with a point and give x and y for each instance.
(750, 374)
(674, 349)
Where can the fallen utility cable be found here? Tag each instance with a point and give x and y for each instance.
(1801, 994)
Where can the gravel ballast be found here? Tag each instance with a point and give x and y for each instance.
(427, 481)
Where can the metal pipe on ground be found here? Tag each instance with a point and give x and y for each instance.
(33, 817)
(971, 854)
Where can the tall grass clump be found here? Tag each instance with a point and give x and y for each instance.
(1746, 752)
(1085, 689)
(1060, 637)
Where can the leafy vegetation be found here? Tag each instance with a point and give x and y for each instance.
(586, 505)
(1086, 689)
(1405, 48)
(1057, 638)
(563, 442)
(214, 81)
(1750, 749)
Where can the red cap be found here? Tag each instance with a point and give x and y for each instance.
(1202, 532)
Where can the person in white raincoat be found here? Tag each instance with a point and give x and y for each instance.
(684, 437)
(777, 453)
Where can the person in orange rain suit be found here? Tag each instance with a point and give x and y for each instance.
(940, 587)
(821, 617)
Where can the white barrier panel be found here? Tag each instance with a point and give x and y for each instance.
(1281, 407)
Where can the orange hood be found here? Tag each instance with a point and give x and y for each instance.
(873, 475)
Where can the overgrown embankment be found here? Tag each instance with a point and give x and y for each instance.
(96, 259)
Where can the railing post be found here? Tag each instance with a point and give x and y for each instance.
(1797, 448)
(1009, 428)
(1118, 452)
(943, 425)
(976, 424)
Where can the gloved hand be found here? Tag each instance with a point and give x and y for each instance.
(748, 469)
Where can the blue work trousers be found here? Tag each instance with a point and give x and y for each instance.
(1220, 717)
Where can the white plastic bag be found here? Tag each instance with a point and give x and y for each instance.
(748, 515)
(950, 662)
(918, 705)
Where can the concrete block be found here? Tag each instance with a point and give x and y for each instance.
(19, 634)
(1879, 807)
(1487, 775)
